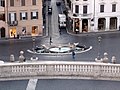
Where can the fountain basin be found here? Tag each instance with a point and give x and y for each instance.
(63, 49)
(66, 49)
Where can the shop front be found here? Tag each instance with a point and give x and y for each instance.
(76, 25)
(34, 31)
(13, 32)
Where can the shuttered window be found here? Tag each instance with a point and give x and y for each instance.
(12, 17)
(101, 8)
(113, 7)
(34, 15)
(33, 2)
(85, 9)
(22, 2)
(76, 8)
(11, 2)
(23, 16)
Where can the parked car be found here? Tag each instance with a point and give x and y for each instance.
(58, 3)
(49, 9)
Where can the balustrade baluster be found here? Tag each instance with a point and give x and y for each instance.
(39, 68)
(80, 69)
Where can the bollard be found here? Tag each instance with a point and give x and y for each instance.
(105, 59)
(12, 58)
(21, 57)
(113, 60)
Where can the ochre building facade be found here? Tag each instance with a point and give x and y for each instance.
(20, 17)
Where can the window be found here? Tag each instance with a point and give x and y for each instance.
(113, 7)
(2, 17)
(85, 9)
(22, 2)
(84, 0)
(33, 2)
(2, 3)
(34, 15)
(12, 17)
(11, 2)
(101, 8)
(76, 8)
(23, 16)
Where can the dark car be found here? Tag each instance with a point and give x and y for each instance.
(49, 10)
(58, 3)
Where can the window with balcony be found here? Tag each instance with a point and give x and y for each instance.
(33, 2)
(113, 7)
(11, 2)
(22, 2)
(34, 15)
(12, 16)
(76, 8)
(85, 9)
(101, 8)
(12, 20)
(2, 3)
(23, 16)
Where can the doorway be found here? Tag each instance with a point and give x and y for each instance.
(2, 32)
(84, 25)
(113, 23)
(101, 23)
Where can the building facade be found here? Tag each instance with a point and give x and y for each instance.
(94, 15)
(21, 17)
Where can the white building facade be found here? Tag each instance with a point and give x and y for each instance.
(94, 15)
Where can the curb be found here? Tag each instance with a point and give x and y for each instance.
(92, 33)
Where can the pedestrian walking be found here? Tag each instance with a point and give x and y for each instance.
(50, 40)
(73, 54)
(60, 31)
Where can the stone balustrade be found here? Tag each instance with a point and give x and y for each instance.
(60, 69)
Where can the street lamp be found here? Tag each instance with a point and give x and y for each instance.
(34, 57)
(99, 42)
(33, 39)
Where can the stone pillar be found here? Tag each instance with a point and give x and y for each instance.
(73, 8)
(107, 28)
(73, 25)
(113, 60)
(118, 23)
(12, 58)
(80, 27)
(105, 59)
(92, 26)
(21, 57)
(89, 23)
(95, 24)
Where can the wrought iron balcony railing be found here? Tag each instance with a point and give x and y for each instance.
(13, 23)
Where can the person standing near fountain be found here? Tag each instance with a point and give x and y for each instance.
(73, 54)
(50, 40)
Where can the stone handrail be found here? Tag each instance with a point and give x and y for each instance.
(60, 69)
